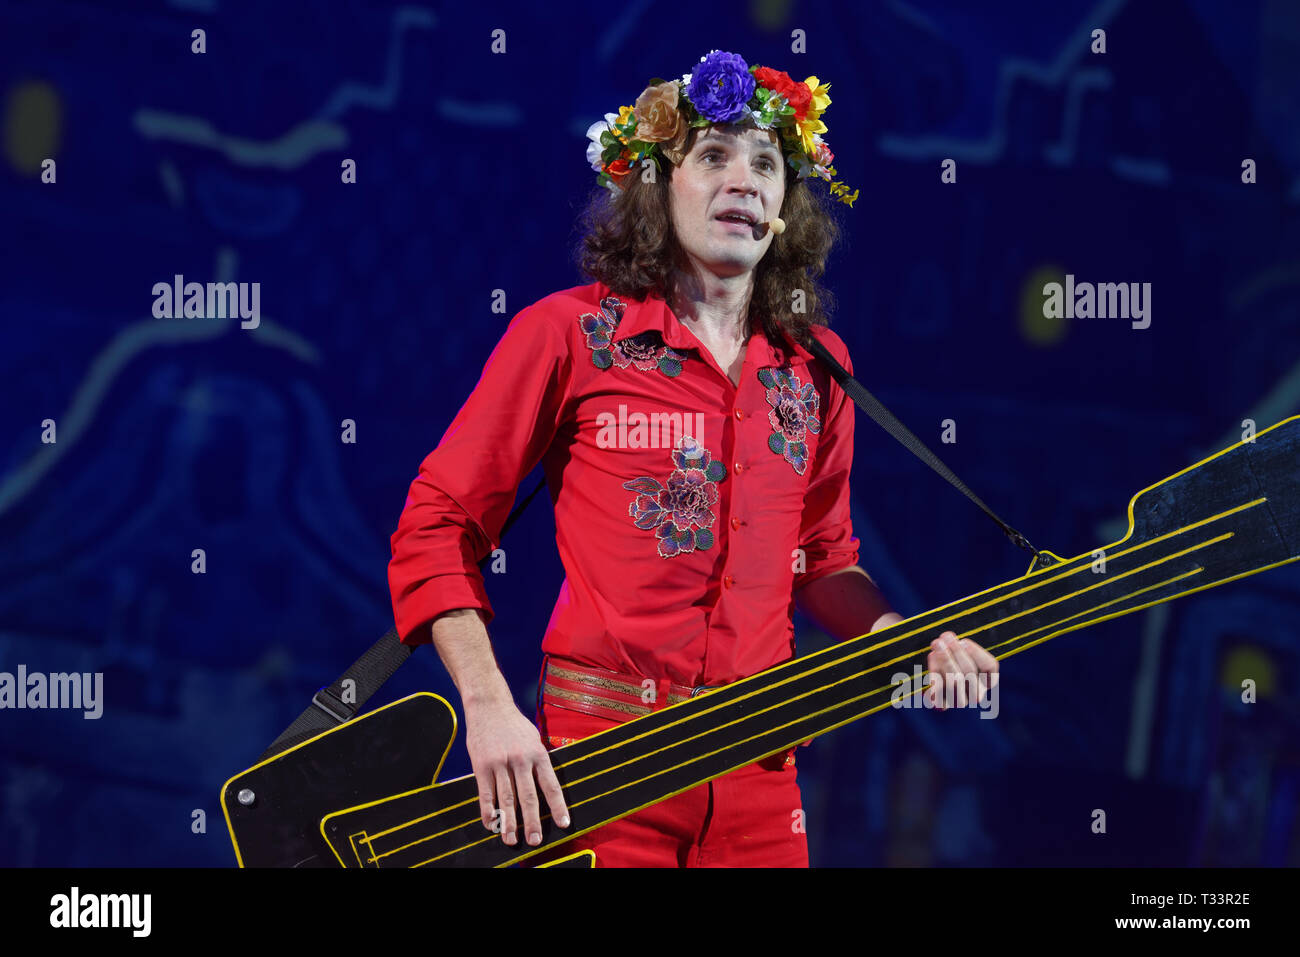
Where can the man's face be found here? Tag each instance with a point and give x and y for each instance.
(728, 167)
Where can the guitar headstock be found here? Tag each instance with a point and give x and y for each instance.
(1249, 493)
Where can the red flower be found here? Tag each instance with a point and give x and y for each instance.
(619, 168)
(778, 81)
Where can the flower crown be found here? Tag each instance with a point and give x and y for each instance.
(723, 89)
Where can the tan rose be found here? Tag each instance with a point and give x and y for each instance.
(659, 120)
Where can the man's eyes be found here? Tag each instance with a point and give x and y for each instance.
(771, 166)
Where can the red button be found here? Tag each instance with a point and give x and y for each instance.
(740, 467)
(740, 413)
(735, 522)
(728, 581)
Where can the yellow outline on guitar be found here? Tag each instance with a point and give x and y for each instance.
(239, 858)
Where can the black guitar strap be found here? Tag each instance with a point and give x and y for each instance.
(333, 705)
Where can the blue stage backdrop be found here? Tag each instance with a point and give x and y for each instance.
(284, 451)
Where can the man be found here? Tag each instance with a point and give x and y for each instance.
(698, 461)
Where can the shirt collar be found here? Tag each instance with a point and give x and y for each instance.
(653, 314)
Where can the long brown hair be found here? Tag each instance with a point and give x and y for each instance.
(628, 244)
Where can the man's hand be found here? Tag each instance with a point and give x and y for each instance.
(505, 750)
(959, 664)
(510, 765)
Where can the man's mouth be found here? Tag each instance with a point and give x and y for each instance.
(738, 218)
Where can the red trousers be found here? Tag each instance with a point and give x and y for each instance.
(751, 817)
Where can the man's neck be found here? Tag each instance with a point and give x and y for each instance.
(715, 308)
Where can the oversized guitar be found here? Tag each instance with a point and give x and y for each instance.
(364, 794)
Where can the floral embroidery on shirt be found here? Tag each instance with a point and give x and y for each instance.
(685, 500)
(646, 350)
(792, 416)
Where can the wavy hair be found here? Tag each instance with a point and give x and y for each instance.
(628, 244)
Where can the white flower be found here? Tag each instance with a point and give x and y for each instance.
(594, 148)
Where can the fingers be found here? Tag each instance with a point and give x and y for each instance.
(526, 793)
(550, 786)
(943, 671)
(505, 804)
(984, 662)
(953, 664)
(511, 785)
(487, 804)
(959, 665)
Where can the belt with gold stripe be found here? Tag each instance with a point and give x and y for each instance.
(620, 697)
(610, 694)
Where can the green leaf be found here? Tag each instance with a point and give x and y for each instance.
(645, 485)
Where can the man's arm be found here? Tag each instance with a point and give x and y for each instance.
(505, 749)
(453, 516)
(845, 604)
(842, 601)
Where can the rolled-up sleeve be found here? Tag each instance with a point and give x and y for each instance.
(826, 528)
(457, 504)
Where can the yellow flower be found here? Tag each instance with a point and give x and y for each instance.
(820, 97)
(624, 114)
(812, 122)
(806, 130)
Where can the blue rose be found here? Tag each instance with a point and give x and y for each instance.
(720, 87)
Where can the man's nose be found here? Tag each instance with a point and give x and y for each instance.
(743, 183)
(741, 178)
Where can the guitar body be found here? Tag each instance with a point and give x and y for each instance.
(398, 748)
(364, 794)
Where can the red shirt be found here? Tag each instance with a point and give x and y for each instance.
(682, 540)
